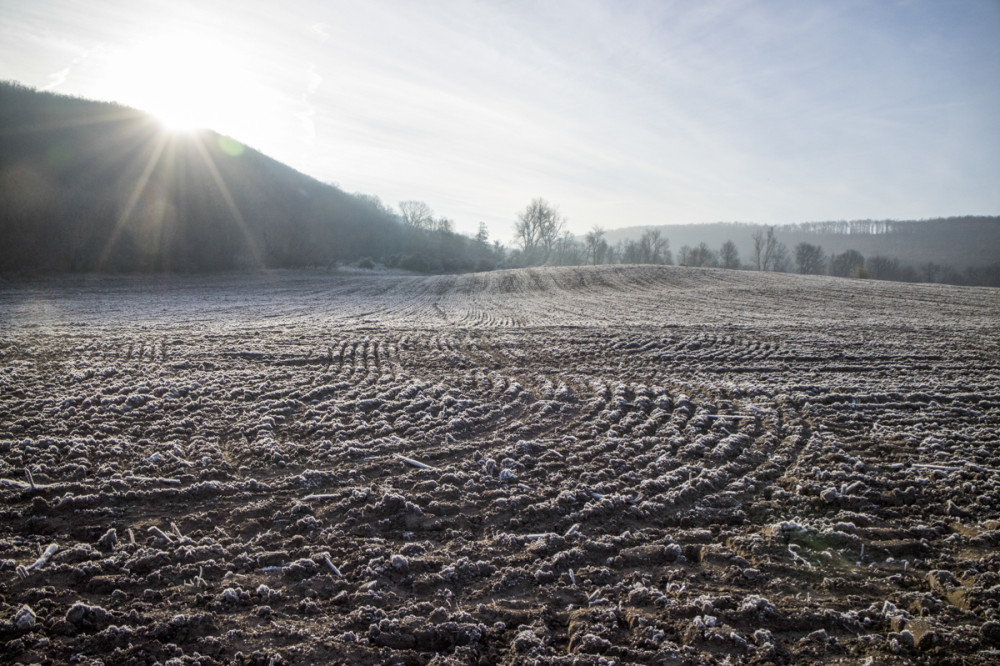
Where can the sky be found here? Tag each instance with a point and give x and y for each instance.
(618, 112)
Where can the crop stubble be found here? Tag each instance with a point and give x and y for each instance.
(631, 464)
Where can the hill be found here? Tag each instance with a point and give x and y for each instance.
(91, 186)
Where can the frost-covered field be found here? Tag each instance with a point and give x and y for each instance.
(581, 465)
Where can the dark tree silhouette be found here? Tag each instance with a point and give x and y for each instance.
(847, 264)
(930, 271)
(810, 259)
(698, 256)
(882, 268)
(764, 245)
(729, 256)
(651, 248)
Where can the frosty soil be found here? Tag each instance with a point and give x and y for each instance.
(639, 465)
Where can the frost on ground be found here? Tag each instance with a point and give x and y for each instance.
(582, 465)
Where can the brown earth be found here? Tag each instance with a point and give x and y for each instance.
(627, 464)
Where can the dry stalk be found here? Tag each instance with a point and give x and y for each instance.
(333, 567)
(540, 535)
(415, 463)
(160, 533)
(23, 571)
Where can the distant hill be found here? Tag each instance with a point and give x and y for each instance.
(958, 242)
(92, 186)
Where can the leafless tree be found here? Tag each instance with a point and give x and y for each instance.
(765, 247)
(416, 214)
(568, 251)
(596, 245)
(537, 229)
(882, 268)
(758, 249)
(698, 256)
(781, 259)
(930, 271)
(847, 264)
(729, 257)
(654, 248)
(483, 234)
(810, 259)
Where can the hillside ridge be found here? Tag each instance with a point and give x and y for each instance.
(93, 186)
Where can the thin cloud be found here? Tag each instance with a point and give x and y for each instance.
(56, 79)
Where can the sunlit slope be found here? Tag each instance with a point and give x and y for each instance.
(96, 186)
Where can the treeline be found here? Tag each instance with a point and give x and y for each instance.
(90, 186)
(541, 238)
(770, 254)
(957, 242)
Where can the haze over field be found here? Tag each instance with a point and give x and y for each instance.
(622, 114)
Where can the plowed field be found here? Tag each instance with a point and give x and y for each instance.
(582, 465)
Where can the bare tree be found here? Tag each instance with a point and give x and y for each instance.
(651, 248)
(698, 256)
(930, 271)
(594, 240)
(654, 248)
(526, 232)
(847, 264)
(758, 249)
(729, 257)
(882, 268)
(568, 251)
(810, 259)
(416, 214)
(483, 235)
(765, 249)
(603, 254)
(781, 259)
(537, 229)
(613, 253)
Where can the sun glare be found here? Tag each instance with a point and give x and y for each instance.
(188, 84)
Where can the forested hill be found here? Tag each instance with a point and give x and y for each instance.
(90, 186)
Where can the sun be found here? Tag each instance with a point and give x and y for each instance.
(187, 83)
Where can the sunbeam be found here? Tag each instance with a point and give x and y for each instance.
(227, 197)
(137, 191)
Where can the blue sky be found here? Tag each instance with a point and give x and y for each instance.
(620, 113)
